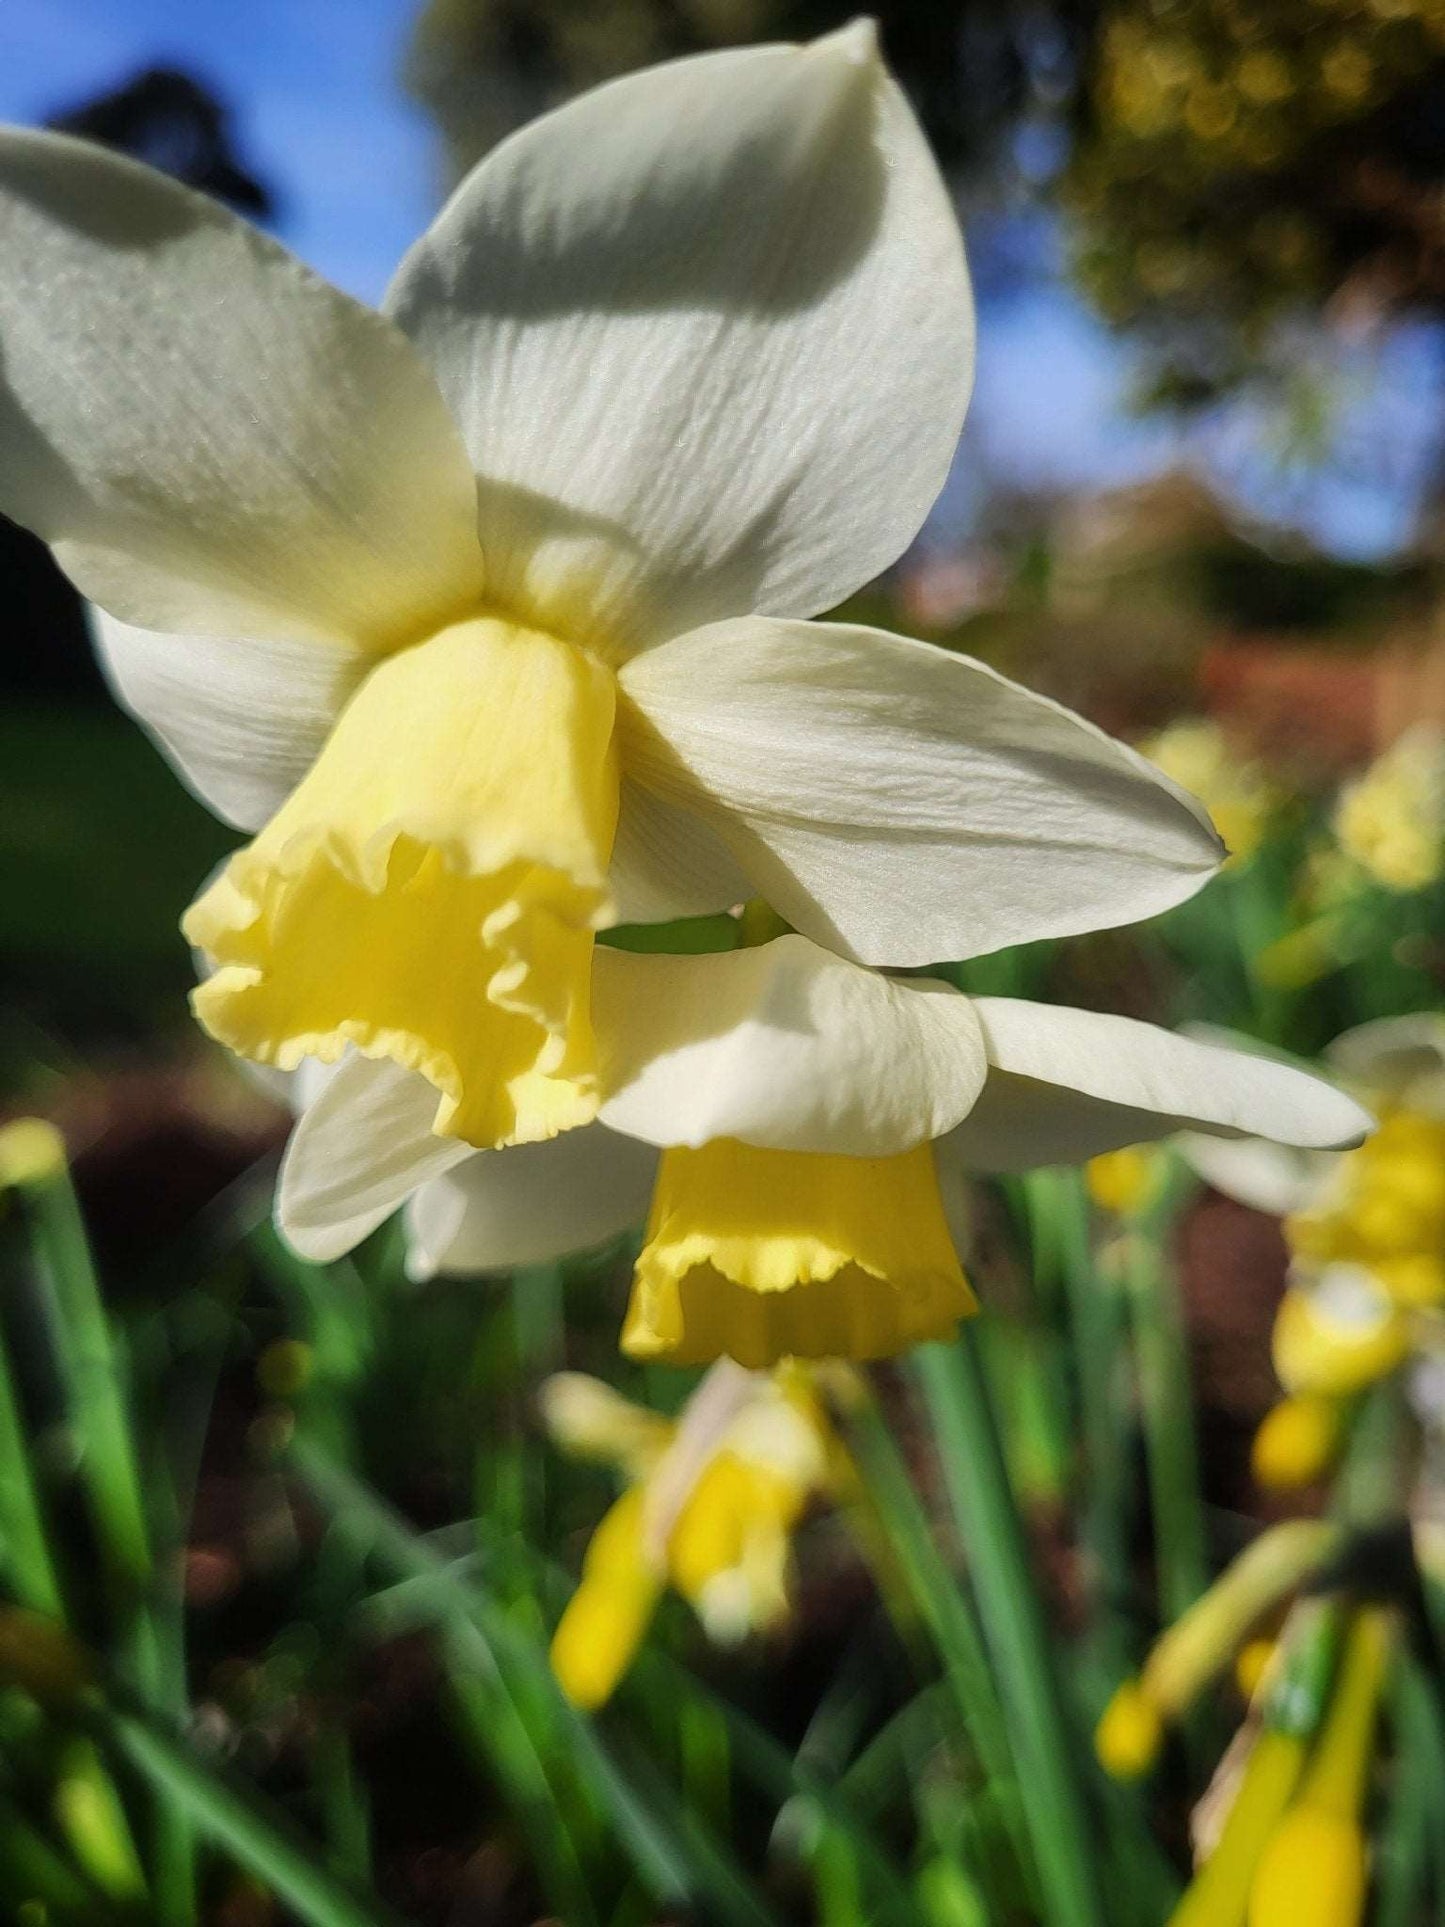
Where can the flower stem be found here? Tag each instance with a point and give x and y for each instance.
(1171, 1446)
(1045, 1747)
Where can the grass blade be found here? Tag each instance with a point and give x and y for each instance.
(1044, 1743)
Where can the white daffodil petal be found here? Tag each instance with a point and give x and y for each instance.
(784, 1046)
(358, 1151)
(667, 862)
(1277, 1178)
(241, 719)
(1398, 1059)
(1066, 1085)
(530, 1203)
(900, 803)
(708, 333)
(211, 438)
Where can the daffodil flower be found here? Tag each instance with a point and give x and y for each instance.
(1391, 820)
(711, 1502)
(1366, 1234)
(486, 612)
(800, 1122)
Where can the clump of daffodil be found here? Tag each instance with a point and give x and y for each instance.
(1204, 1641)
(1283, 1839)
(799, 1123)
(1391, 820)
(711, 1503)
(1236, 789)
(488, 614)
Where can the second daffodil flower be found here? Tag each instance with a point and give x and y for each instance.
(812, 1119)
(486, 612)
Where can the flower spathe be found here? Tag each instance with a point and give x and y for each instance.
(801, 1123)
(678, 366)
(711, 1502)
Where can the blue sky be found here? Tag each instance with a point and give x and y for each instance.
(313, 85)
(319, 112)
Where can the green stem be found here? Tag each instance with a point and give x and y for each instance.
(1059, 1216)
(261, 1845)
(94, 1381)
(1166, 1406)
(935, 1595)
(24, 1546)
(1044, 1743)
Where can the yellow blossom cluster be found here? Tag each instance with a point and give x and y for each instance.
(1367, 1289)
(1236, 790)
(1391, 820)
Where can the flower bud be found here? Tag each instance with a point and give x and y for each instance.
(1130, 1733)
(1297, 1442)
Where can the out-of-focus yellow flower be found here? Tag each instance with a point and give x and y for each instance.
(1314, 1866)
(31, 1150)
(1252, 1664)
(1130, 1733)
(1338, 1334)
(1125, 1182)
(1313, 1869)
(710, 1508)
(1297, 1441)
(1368, 1271)
(1386, 1199)
(1367, 1245)
(601, 1630)
(1261, 1772)
(1217, 1894)
(1236, 791)
(1201, 1642)
(1391, 820)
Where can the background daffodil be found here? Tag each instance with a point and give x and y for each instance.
(811, 1118)
(485, 612)
(1366, 1236)
(711, 1502)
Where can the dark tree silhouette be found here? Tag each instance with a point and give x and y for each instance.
(167, 118)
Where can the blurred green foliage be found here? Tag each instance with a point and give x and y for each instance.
(100, 851)
(1238, 163)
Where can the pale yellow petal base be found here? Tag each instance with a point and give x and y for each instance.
(428, 894)
(761, 1255)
